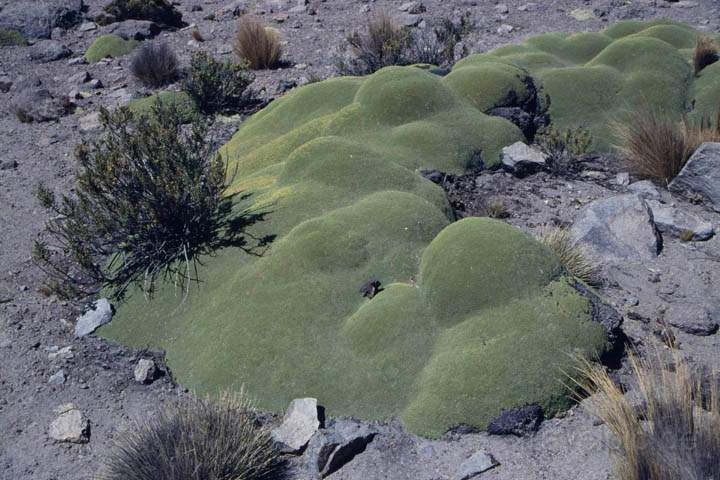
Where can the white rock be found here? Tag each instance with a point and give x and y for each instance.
(70, 425)
(299, 424)
(522, 159)
(92, 319)
(57, 378)
(478, 463)
(145, 371)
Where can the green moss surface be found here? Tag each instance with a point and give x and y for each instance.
(109, 46)
(475, 316)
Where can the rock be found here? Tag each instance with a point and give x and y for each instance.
(90, 122)
(330, 449)
(145, 371)
(622, 178)
(371, 288)
(693, 318)
(39, 105)
(87, 26)
(582, 14)
(645, 189)
(134, 29)
(99, 315)
(8, 165)
(505, 29)
(617, 229)
(517, 421)
(435, 176)
(502, 8)
(70, 426)
(64, 353)
(701, 176)
(5, 84)
(521, 159)
(408, 20)
(478, 463)
(49, 51)
(301, 421)
(95, 83)
(57, 378)
(522, 119)
(38, 18)
(80, 78)
(678, 223)
(412, 7)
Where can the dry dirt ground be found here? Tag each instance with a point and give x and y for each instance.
(100, 375)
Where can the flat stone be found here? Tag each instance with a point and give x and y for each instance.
(299, 424)
(701, 176)
(478, 463)
(70, 426)
(694, 318)
(93, 319)
(521, 159)
(617, 229)
(87, 26)
(582, 14)
(57, 378)
(676, 222)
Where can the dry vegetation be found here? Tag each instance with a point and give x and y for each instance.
(657, 147)
(563, 147)
(571, 255)
(218, 87)
(155, 65)
(196, 440)
(706, 53)
(257, 44)
(676, 435)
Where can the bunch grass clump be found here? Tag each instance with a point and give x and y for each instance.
(656, 146)
(572, 255)
(216, 86)
(386, 43)
(159, 11)
(197, 439)
(155, 65)
(705, 53)
(677, 434)
(563, 146)
(257, 44)
(149, 199)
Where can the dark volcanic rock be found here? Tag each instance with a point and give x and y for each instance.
(330, 449)
(38, 18)
(49, 51)
(518, 421)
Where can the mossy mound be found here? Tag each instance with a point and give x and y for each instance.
(11, 38)
(475, 316)
(180, 100)
(109, 46)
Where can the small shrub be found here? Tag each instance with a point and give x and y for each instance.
(657, 147)
(218, 86)
(687, 235)
(706, 53)
(11, 38)
(257, 44)
(109, 46)
(181, 101)
(158, 11)
(678, 434)
(571, 255)
(155, 65)
(563, 147)
(196, 440)
(496, 208)
(385, 43)
(149, 200)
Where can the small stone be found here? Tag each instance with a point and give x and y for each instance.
(87, 26)
(412, 7)
(505, 29)
(622, 178)
(95, 83)
(70, 426)
(645, 189)
(517, 421)
(582, 14)
(8, 164)
(5, 84)
(478, 463)
(49, 51)
(299, 424)
(502, 8)
(521, 159)
(92, 319)
(64, 353)
(145, 371)
(57, 378)
(80, 78)
(77, 61)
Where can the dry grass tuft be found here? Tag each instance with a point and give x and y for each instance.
(655, 146)
(706, 53)
(572, 256)
(496, 208)
(155, 65)
(678, 434)
(257, 44)
(197, 36)
(197, 439)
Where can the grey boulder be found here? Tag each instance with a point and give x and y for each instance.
(478, 463)
(521, 159)
(49, 51)
(673, 221)
(332, 448)
(134, 29)
(39, 105)
(299, 424)
(99, 315)
(694, 318)
(645, 189)
(617, 229)
(517, 421)
(701, 176)
(38, 18)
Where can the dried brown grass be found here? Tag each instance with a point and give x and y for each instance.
(572, 255)
(677, 433)
(257, 44)
(705, 53)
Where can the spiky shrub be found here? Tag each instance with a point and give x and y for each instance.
(563, 147)
(217, 86)
(705, 53)
(572, 256)
(677, 435)
(656, 146)
(149, 199)
(385, 43)
(155, 65)
(10, 38)
(257, 44)
(159, 11)
(496, 208)
(197, 439)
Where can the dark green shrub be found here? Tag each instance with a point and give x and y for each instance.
(563, 147)
(196, 440)
(217, 86)
(11, 38)
(149, 199)
(155, 65)
(158, 11)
